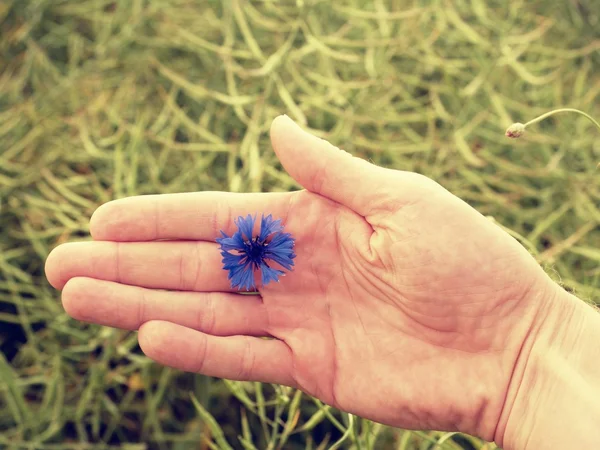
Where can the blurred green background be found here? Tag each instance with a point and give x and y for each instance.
(102, 99)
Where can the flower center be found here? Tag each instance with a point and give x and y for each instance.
(255, 250)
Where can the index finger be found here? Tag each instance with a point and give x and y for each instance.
(190, 216)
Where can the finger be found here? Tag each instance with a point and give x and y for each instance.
(184, 266)
(326, 170)
(128, 307)
(192, 216)
(241, 358)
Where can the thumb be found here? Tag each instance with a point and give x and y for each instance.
(324, 169)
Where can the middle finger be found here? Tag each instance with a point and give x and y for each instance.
(175, 265)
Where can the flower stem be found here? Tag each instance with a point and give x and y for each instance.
(548, 114)
(517, 129)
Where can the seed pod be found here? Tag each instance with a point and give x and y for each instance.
(516, 130)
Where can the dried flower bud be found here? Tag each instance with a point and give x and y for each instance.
(516, 130)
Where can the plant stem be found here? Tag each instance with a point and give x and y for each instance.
(548, 114)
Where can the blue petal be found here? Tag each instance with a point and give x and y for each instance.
(235, 242)
(246, 226)
(268, 274)
(231, 261)
(281, 250)
(269, 226)
(284, 261)
(247, 279)
(242, 276)
(282, 240)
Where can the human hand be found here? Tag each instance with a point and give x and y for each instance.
(405, 306)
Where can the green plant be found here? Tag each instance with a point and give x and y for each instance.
(102, 99)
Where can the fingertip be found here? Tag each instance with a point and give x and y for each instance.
(283, 129)
(173, 345)
(126, 219)
(98, 222)
(150, 336)
(289, 141)
(73, 297)
(94, 222)
(53, 266)
(280, 120)
(161, 341)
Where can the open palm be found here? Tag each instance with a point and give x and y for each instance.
(405, 306)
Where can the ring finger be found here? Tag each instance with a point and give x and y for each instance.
(128, 307)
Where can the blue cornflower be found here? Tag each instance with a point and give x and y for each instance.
(243, 254)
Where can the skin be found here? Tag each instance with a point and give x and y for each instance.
(406, 306)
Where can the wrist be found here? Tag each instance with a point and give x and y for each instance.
(554, 397)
